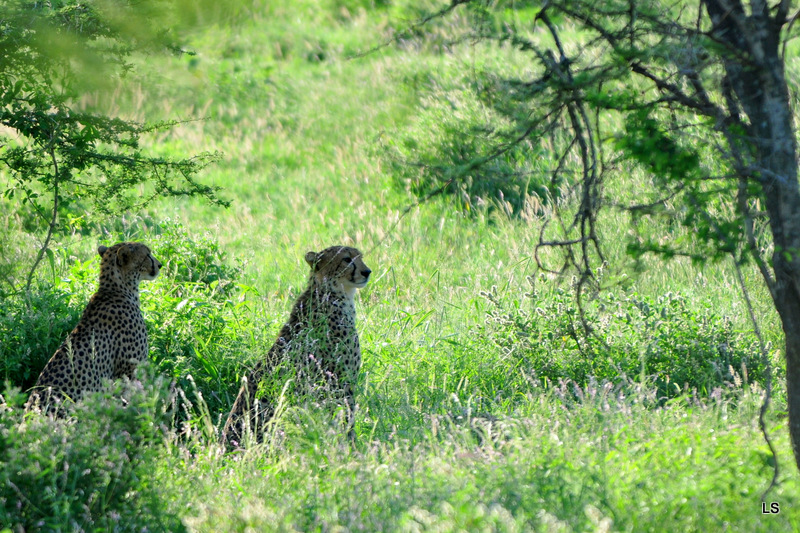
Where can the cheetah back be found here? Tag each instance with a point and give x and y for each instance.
(110, 339)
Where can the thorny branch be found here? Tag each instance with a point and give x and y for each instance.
(584, 136)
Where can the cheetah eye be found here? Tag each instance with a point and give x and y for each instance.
(347, 260)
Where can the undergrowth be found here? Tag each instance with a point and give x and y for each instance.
(482, 402)
(92, 470)
(678, 346)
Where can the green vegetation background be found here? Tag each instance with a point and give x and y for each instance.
(481, 407)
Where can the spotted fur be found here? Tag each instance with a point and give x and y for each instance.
(318, 345)
(110, 339)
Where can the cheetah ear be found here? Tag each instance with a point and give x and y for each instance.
(124, 255)
(101, 250)
(311, 259)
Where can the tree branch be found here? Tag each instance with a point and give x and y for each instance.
(52, 225)
(768, 385)
(416, 25)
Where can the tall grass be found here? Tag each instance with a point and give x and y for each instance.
(480, 408)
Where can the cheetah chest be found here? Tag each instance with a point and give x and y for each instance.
(330, 342)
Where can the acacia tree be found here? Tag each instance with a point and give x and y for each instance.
(695, 93)
(56, 156)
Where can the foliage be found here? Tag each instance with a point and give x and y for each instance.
(565, 465)
(582, 108)
(457, 145)
(679, 172)
(678, 348)
(202, 316)
(452, 429)
(90, 471)
(61, 158)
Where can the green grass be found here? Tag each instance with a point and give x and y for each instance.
(606, 463)
(470, 417)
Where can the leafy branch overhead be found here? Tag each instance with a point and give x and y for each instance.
(98, 156)
(56, 154)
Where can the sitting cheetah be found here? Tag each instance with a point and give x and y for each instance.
(318, 345)
(110, 338)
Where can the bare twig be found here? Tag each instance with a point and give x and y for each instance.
(788, 32)
(52, 225)
(408, 209)
(414, 26)
(768, 382)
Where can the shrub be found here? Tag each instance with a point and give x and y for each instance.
(203, 316)
(32, 327)
(92, 470)
(680, 347)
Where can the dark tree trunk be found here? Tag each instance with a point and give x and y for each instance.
(788, 305)
(755, 72)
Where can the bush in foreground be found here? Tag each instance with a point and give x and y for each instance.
(91, 470)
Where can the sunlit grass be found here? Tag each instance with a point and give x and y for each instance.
(454, 432)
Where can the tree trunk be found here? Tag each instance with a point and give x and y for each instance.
(756, 75)
(788, 306)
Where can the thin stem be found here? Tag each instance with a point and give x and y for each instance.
(768, 392)
(52, 225)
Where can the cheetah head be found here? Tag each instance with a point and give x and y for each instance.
(339, 265)
(130, 258)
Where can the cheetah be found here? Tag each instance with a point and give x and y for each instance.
(110, 339)
(318, 346)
